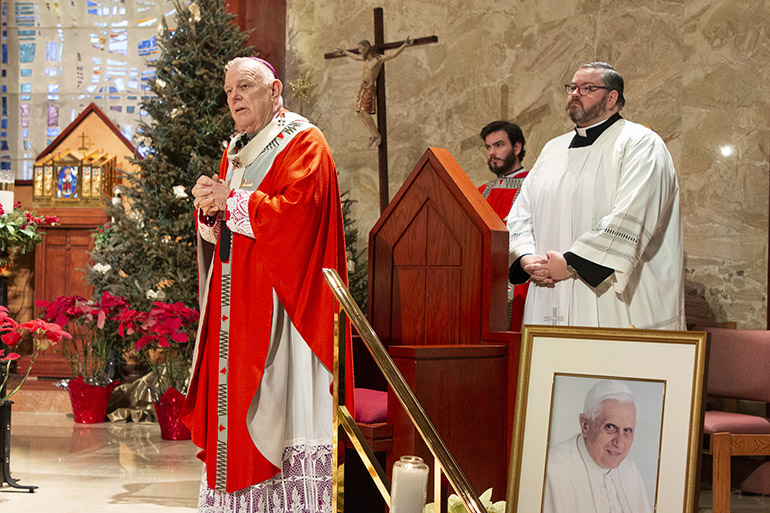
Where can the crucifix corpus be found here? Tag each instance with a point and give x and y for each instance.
(374, 86)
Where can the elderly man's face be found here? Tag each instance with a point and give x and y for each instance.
(594, 107)
(253, 99)
(609, 436)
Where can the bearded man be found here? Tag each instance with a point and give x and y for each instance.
(504, 143)
(259, 404)
(596, 226)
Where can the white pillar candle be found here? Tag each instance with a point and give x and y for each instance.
(7, 180)
(6, 200)
(410, 483)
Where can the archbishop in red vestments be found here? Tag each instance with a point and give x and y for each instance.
(259, 403)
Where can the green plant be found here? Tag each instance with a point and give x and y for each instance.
(20, 231)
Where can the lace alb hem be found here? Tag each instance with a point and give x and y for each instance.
(303, 486)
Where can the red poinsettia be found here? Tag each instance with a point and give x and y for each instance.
(165, 322)
(89, 320)
(163, 333)
(63, 309)
(130, 321)
(9, 357)
(44, 334)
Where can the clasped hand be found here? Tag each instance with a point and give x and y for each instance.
(211, 195)
(546, 270)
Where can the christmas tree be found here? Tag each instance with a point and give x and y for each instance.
(150, 245)
(147, 253)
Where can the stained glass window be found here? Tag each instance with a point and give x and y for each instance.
(58, 56)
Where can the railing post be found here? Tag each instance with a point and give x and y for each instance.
(402, 391)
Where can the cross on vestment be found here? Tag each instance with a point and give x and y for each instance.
(379, 46)
(555, 318)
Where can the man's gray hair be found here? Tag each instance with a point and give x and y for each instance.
(611, 78)
(268, 73)
(602, 391)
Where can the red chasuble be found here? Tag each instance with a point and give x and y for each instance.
(297, 222)
(500, 194)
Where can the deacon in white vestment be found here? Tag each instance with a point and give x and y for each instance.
(589, 472)
(597, 226)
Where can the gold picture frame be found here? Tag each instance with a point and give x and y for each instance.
(676, 360)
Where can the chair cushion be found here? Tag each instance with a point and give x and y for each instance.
(738, 423)
(738, 364)
(371, 405)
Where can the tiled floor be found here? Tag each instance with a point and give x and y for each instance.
(125, 467)
(109, 467)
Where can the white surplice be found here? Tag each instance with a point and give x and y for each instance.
(615, 203)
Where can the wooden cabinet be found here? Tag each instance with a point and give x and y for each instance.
(60, 261)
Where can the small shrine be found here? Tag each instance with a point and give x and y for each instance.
(74, 178)
(83, 164)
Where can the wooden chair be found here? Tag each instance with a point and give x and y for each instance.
(739, 368)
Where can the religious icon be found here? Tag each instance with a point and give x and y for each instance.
(47, 180)
(96, 181)
(38, 181)
(67, 183)
(86, 180)
(366, 103)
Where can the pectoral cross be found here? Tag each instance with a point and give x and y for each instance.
(379, 46)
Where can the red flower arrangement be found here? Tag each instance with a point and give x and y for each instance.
(91, 321)
(163, 333)
(44, 334)
(159, 336)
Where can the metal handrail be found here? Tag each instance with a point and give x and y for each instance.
(404, 394)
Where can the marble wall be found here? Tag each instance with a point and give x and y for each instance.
(696, 71)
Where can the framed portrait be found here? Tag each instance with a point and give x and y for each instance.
(607, 416)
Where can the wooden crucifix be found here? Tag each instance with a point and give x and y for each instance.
(380, 131)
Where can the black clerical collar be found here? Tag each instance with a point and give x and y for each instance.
(593, 133)
(510, 173)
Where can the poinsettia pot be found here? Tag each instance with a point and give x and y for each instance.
(89, 402)
(168, 409)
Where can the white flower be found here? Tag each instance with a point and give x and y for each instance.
(160, 83)
(195, 10)
(101, 268)
(455, 504)
(175, 112)
(151, 294)
(179, 191)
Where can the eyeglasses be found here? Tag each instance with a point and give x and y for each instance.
(584, 89)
